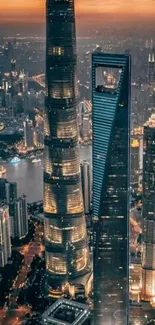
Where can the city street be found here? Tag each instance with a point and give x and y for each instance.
(139, 316)
(13, 315)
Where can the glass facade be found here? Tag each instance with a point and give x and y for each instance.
(111, 171)
(148, 252)
(67, 254)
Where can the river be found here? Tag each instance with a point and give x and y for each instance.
(29, 176)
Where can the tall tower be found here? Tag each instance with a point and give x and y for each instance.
(10, 192)
(5, 241)
(86, 184)
(67, 254)
(111, 168)
(19, 218)
(148, 255)
(151, 68)
(13, 77)
(29, 134)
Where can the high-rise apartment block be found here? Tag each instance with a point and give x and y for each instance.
(151, 68)
(10, 192)
(29, 134)
(111, 169)
(2, 189)
(5, 241)
(86, 184)
(19, 218)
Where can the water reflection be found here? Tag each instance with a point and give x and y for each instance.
(29, 176)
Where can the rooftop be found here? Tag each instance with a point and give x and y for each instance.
(66, 312)
(151, 121)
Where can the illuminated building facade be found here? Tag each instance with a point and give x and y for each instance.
(151, 68)
(5, 241)
(67, 254)
(2, 172)
(13, 77)
(10, 192)
(111, 171)
(19, 218)
(86, 127)
(86, 184)
(67, 312)
(135, 166)
(148, 253)
(29, 134)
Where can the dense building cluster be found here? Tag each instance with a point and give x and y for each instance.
(13, 218)
(95, 227)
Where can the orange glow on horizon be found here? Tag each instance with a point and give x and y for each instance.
(33, 10)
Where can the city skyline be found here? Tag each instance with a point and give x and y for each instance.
(17, 11)
(77, 223)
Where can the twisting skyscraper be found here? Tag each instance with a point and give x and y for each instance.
(64, 222)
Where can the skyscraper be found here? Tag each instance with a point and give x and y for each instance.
(67, 254)
(111, 146)
(151, 68)
(10, 192)
(18, 217)
(13, 77)
(86, 126)
(3, 182)
(86, 185)
(148, 255)
(5, 241)
(135, 165)
(29, 134)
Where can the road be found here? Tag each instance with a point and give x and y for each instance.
(139, 316)
(15, 316)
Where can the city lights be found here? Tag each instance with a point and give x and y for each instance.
(77, 137)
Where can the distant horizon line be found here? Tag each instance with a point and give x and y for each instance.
(91, 19)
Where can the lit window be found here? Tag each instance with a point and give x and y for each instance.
(55, 51)
(82, 260)
(55, 264)
(52, 234)
(78, 232)
(49, 200)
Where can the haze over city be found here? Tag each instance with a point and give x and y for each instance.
(30, 15)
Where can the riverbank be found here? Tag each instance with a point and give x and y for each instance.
(29, 175)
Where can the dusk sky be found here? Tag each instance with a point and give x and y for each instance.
(33, 10)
